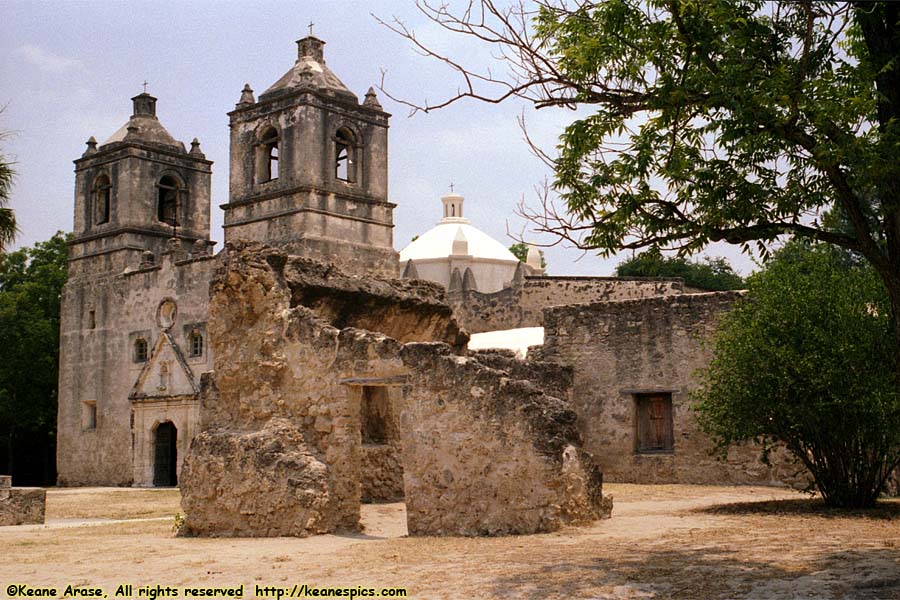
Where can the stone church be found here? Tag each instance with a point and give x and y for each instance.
(308, 176)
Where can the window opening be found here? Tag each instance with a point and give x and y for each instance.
(140, 350)
(196, 344)
(90, 415)
(167, 207)
(343, 155)
(269, 166)
(102, 193)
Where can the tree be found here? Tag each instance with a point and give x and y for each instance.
(807, 361)
(734, 120)
(8, 228)
(520, 251)
(31, 282)
(712, 274)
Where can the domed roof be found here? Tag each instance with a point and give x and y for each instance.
(438, 243)
(143, 126)
(309, 71)
(454, 235)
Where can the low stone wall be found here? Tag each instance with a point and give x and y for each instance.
(21, 506)
(629, 352)
(522, 304)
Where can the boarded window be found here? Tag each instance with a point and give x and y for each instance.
(654, 423)
(375, 415)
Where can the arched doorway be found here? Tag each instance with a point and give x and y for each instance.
(165, 455)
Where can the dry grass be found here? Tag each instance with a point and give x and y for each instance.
(663, 542)
(112, 503)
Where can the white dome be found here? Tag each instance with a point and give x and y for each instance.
(438, 243)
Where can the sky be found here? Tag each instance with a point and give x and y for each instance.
(69, 68)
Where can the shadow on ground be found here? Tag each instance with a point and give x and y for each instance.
(887, 510)
(709, 573)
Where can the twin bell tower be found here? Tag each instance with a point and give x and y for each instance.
(308, 174)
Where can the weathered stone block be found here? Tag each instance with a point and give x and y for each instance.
(22, 506)
(259, 484)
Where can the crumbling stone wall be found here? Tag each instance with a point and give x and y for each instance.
(523, 303)
(21, 506)
(486, 454)
(622, 350)
(282, 412)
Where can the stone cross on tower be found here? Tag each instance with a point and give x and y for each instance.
(310, 27)
(146, 83)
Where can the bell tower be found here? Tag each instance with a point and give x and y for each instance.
(135, 192)
(309, 169)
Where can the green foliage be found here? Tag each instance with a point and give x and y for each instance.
(808, 360)
(712, 274)
(520, 251)
(729, 120)
(31, 282)
(8, 228)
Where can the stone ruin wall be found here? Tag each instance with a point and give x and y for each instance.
(21, 506)
(488, 454)
(280, 449)
(622, 349)
(522, 304)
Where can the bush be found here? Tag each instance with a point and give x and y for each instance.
(808, 360)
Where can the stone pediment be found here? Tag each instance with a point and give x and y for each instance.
(165, 374)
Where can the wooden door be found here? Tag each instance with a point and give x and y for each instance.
(165, 455)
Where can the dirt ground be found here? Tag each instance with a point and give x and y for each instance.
(666, 541)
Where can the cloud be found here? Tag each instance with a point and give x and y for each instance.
(47, 61)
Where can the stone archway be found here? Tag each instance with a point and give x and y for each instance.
(165, 455)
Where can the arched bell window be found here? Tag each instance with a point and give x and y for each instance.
(268, 154)
(101, 193)
(344, 155)
(167, 200)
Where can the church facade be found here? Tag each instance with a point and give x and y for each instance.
(308, 174)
